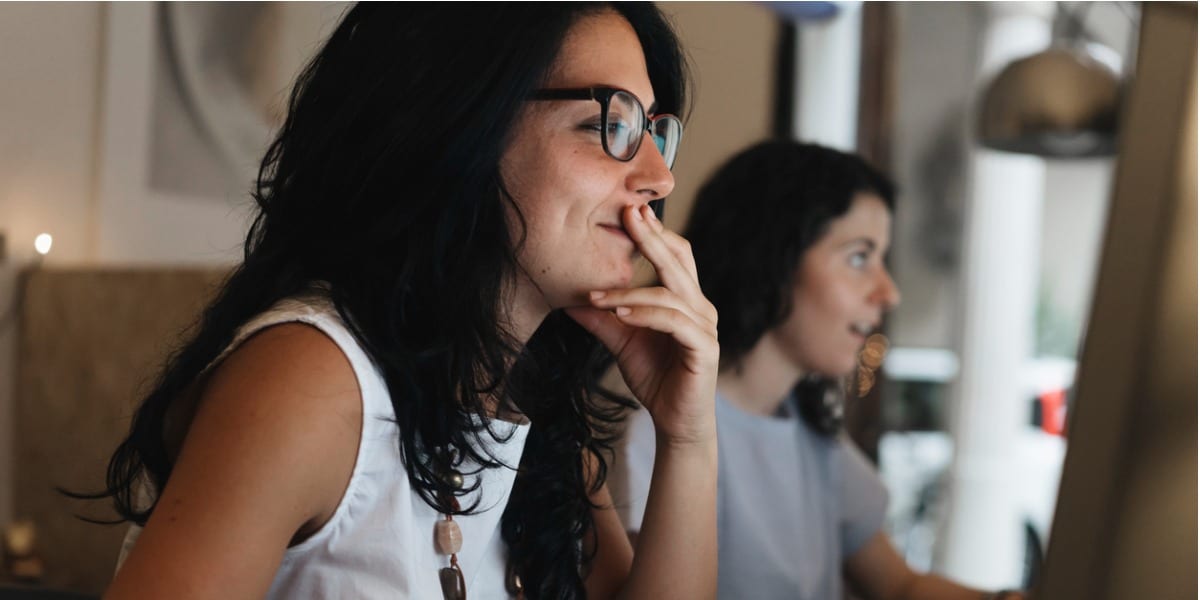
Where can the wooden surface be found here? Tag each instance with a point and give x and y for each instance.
(90, 342)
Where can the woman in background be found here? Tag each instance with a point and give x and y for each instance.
(789, 241)
(390, 397)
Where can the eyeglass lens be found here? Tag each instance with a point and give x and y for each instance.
(667, 131)
(626, 124)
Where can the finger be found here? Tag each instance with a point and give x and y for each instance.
(672, 274)
(677, 269)
(699, 342)
(604, 325)
(679, 246)
(682, 249)
(649, 296)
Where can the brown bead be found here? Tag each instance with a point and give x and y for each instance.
(454, 479)
(454, 587)
(448, 537)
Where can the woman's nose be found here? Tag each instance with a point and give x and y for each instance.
(650, 175)
(888, 294)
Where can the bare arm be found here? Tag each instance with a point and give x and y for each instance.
(266, 460)
(676, 551)
(614, 556)
(880, 573)
(677, 545)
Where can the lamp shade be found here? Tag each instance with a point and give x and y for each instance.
(1060, 102)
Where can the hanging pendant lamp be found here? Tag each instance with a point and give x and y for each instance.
(1061, 102)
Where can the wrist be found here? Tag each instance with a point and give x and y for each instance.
(698, 444)
(698, 437)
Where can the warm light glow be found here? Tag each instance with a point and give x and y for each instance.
(42, 243)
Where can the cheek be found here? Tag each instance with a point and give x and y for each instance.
(832, 291)
(820, 317)
(819, 303)
(536, 195)
(529, 164)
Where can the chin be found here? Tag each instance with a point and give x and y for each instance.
(619, 276)
(579, 296)
(623, 280)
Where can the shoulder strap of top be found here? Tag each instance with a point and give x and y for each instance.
(318, 311)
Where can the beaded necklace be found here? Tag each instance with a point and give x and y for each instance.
(447, 535)
(448, 538)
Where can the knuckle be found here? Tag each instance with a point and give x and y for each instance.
(679, 319)
(676, 317)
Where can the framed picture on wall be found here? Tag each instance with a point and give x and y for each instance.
(192, 95)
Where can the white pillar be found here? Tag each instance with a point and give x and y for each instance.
(828, 64)
(983, 539)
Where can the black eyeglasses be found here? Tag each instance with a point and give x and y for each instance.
(623, 122)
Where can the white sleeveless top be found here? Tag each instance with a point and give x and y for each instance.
(379, 543)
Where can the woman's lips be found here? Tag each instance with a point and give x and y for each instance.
(617, 230)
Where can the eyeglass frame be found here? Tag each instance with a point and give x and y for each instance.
(603, 95)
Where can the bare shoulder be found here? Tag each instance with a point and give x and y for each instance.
(291, 391)
(266, 460)
(293, 364)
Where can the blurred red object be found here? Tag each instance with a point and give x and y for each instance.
(1054, 411)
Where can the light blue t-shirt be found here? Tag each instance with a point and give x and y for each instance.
(792, 504)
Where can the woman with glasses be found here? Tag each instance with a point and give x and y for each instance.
(393, 395)
(789, 240)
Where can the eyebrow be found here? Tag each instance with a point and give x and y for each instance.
(868, 242)
(650, 110)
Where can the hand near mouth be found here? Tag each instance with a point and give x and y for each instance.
(664, 337)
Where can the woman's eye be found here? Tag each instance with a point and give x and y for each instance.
(617, 126)
(858, 260)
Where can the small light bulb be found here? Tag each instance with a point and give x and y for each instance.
(42, 243)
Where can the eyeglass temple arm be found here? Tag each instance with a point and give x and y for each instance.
(563, 95)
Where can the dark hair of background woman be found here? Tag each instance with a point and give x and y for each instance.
(752, 223)
(385, 182)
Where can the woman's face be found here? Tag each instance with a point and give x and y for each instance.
(841, 291)
(569, 192)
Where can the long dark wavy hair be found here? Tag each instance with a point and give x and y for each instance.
(384, 182)
(752, 223)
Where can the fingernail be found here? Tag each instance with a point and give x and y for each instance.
(623, 311)
(596, 295)
(650, 216)
(638, 215)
